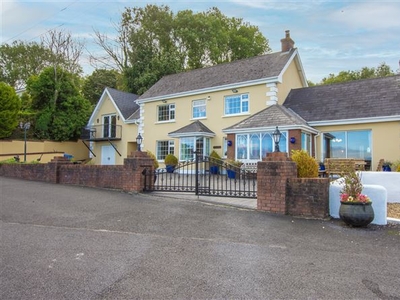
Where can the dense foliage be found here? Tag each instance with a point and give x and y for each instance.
(10, 105)
(307, 166)
(153, 42)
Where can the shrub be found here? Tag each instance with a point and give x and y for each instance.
(307, 166)
(396, 166)
(171, 160)
(215, 159)
(155, 162)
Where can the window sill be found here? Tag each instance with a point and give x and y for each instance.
(236, 115)
(201, 118)
(164, 122)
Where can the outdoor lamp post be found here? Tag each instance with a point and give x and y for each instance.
(25, 127)
(139, 140)
(277, 137)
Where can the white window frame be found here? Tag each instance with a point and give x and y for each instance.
(306, 142)
(170, 114)
(170, 149)
(202, 107)
(244, 102)
(112, 122)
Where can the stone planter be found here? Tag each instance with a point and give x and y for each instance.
(356, 214)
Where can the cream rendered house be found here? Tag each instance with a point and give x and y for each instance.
(188, 111)
(111, 132)
(358, 119)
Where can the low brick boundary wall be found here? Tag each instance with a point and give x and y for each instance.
(280, 191)
(126, 177)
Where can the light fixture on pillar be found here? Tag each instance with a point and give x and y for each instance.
(139, 141)
(277, 137)
(25, 127)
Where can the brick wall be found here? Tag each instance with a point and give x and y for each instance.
(127, 177)
(280, 191)
(308, 197)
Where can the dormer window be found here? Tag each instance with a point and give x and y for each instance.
(236, 104)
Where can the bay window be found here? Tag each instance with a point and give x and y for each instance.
(188, 145)
(255, 146)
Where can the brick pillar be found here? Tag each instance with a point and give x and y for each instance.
(272, 178)
(52, 172)
(135, 166)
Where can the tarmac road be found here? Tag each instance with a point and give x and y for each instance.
(69, 242)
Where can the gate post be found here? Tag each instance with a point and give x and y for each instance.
(134, 167)
(273, 174)
(196, 153)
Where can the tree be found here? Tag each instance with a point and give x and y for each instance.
(21, 60)
(59, 118)
(94, 84)
(10, 105)
(153, 42)
(382, 70)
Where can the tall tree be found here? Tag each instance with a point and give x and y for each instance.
(382, 70)
(95, 83)
(10, 105)
(59, 118)
(21, 60)
(153, 42)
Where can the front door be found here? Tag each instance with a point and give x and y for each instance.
(107, 155)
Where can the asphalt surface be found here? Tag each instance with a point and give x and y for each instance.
(69, 242)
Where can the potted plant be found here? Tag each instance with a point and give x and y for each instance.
(387, 166)
(355, 208)
(215, 162)
(233, 166)
(170, 163)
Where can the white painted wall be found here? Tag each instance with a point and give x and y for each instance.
(389, 180)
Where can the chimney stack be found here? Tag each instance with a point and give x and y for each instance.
(287, 42)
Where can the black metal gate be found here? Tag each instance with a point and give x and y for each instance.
(204, 176)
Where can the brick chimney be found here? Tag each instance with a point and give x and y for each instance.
(287, 42)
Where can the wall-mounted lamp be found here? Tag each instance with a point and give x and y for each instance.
(97, 120)
(208, 98)
(293, 140)
(277, 137)
(139, 141)
(118, 117)
(234, 91)
(164, 101)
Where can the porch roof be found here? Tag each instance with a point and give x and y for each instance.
(274, 115)
(193, 129)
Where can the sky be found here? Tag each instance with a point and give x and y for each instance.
(331, 36)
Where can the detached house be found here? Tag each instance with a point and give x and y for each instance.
(234, 108)
(357, 119)
(110, 134)
(188, 111)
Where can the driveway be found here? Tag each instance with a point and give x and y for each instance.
(69, 242)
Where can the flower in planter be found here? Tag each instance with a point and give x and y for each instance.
(352, 189)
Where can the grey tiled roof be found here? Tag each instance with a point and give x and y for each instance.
(379, 97)
(195, 127)
(126, 102)
(254, 68)
(274, 115)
